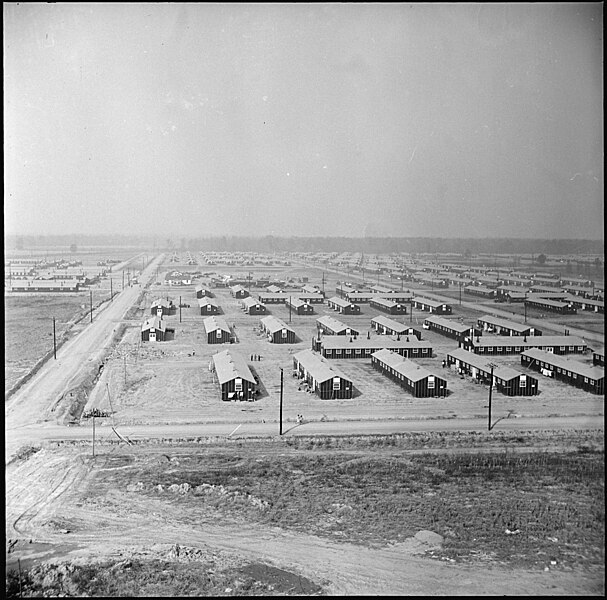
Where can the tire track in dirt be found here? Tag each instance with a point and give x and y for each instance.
(109, 521)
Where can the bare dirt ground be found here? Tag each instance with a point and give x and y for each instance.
(170, 383)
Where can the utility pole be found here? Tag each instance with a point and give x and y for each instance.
(281, 382)
(54, 340)
(492, 365)
(289, 309)
(122, 278)
(91, 301)
(180, 309)
(525, 306)
(111, 291)
(460, 293)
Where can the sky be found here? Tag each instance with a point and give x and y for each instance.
(324, 119)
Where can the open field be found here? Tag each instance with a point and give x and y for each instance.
(517, 520)
(28, 334)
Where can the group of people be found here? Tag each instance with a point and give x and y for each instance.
(299, 419)
(255, 357)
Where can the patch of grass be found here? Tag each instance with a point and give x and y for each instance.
(139, 578)
(522, 509)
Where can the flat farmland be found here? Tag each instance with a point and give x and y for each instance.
(28, 332)
(28, 329)
(170, 382)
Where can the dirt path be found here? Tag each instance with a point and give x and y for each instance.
(61, 493)
(31, 402)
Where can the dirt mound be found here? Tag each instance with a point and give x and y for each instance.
(430, 538)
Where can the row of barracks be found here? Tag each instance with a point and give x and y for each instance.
(451, 329)
(432, 306)
(326, 381)
(331, 326)
(234, 377)
(572, 372)
(252, 306)
(217, 330)
(238, 292)
(298, 306)
(480, 290)
(343, 306)
(508, 381)
(388, 306)
(153, 329)
(386, 326)
(162, 307)
(414, 378)
(343, 347)
(208, 306)
(501, 326)
(40, 285)
(202, 291)
(548, 305)
(277, 331)
(557, 344)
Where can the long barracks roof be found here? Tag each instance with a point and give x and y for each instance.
(250, 301)
(316, 366)
(391, 324)
(532, 341)
(429, 302)
(229, 366)
(334, 324)
(491, 320)
(374, 342)
(214, 323)
(206, 300)
(481, 363)
(273, 324)
(161, 302)
(339, 301)
(591, 371)
(385, 302)
(407, 367)
(449, 324)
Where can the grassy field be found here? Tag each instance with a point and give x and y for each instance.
(522, 509)
(28, 333)
(137, 578)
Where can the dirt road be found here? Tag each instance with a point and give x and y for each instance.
(30, 403)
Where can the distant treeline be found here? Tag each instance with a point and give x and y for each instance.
(270, 243)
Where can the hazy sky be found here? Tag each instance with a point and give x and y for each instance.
(447, 120)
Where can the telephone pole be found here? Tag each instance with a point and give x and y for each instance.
(281, 383)
(91, 302)
(492, 365)
(180, 309)
(54, 340)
